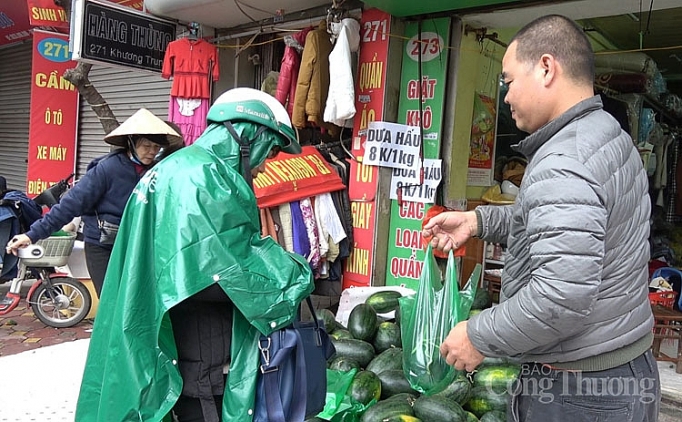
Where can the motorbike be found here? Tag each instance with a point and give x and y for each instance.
(57, 299)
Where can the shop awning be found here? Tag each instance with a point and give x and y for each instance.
(227, 13)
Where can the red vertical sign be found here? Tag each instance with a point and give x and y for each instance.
(54, 113)
(369, 105)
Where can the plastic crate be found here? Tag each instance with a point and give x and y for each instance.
(57, 251)
(665, 298)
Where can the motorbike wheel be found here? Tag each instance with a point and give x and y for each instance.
(71, 304)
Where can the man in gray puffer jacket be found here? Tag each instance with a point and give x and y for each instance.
(574, 306)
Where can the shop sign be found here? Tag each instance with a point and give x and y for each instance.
(393, 145)
(53, 111)
(370, 93)
(290, 178)
(405, 244)
(403, 182)
(14, 26)
(46, 13)
(111, 34)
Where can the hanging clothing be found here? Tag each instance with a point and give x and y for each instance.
(192, 64)
(313, 79)
(288, 72)
(341, 98)
(311, 229)
(190, 115)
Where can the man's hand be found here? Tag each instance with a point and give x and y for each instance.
(450, 230)
(458, 350)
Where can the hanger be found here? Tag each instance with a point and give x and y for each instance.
(193, 28)
(335, 14)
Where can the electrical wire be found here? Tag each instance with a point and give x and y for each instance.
(236, 3)
(255, 8)
(648, 19)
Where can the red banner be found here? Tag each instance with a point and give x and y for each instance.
(292, 177)
(44, 12)
(54, 113)
(14, 26)
(369, 105)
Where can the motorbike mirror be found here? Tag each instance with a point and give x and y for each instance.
(50, 196)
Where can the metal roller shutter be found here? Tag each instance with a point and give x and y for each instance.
(125, 91)
(15, 92)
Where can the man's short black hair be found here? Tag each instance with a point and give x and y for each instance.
(561, 37)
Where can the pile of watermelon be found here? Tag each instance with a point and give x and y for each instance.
(372, 346)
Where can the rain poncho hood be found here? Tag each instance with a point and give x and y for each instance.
(192, 221)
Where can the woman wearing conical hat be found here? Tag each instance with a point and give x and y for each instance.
(102, 193)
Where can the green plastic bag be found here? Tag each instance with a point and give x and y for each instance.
(336, 401)
(428, 316)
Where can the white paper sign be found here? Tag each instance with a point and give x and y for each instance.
(392, 145)
(403, 179)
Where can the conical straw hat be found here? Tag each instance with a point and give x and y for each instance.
(143, 122)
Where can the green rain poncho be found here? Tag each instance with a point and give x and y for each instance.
(192, 221)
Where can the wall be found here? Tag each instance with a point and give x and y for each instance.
(235, 71)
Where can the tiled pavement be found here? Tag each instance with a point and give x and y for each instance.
(20, 331)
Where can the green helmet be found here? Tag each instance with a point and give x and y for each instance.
(252, 105)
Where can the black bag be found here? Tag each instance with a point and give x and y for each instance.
(107, 232)
(292, 381)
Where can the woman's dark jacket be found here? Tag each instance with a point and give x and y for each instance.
(105, 188)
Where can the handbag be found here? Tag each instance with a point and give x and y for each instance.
(292, 380)
(107, 231)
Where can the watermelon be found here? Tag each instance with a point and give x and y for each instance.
(358, 350)
(340, 333)
(401, 418)
(471, 417)
(363, 322)
(387, 360)
(329, 320)
(496, 378)
(394, 382)
(383, 302)
(365, 387)
(483, 400)
(481, 299)
(387, 336)
(494, 416)
(343, 363)
(458, 390)
(438, 409)
(385, 409)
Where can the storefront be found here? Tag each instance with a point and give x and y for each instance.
(474, 148)
(125, 89)
(440, 87)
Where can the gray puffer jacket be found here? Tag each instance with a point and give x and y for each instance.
(574, 284)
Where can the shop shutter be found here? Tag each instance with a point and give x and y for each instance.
(15, 92)
(125, 91)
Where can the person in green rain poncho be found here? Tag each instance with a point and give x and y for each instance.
(191, 284)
